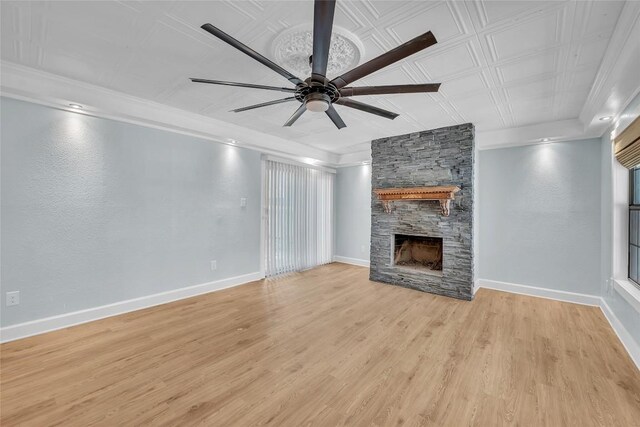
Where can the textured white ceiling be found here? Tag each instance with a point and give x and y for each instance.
(502, 64)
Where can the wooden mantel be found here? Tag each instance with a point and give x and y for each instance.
(443, 194)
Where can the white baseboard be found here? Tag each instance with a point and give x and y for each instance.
(630, 344)
(476, 286)
(627, 340)
(585, 299)
(40, 326)
(48, 324)
(352, 261)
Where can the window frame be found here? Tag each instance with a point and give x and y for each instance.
(634, 206)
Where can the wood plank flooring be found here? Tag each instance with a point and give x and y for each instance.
(327, 347)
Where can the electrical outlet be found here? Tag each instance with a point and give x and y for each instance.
(214, 265)
(362, 249)
(13, 298)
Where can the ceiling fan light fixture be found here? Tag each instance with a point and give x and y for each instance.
(317, 105)
(317, 102)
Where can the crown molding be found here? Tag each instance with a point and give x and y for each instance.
(30, 84)
(49, 89)
(558, 131)
(617, 81)
(355, 158)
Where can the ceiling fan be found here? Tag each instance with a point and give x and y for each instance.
(317, 93)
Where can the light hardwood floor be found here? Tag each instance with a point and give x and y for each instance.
(327, 347)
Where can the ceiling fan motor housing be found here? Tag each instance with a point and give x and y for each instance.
(317, 91)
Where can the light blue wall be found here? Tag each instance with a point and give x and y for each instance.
(625, 312)
(540, 216)
(353, 212)
(606, 213)
(96, 211)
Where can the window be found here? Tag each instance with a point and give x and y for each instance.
(634, 225)
(299, 217)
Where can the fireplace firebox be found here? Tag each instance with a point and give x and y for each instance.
(421, 253)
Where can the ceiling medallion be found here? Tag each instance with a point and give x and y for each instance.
(293, 46)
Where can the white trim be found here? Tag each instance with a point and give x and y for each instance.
(617, 75)
(44, 88)
(630, 344)
(629, 292)
(535, 291)
(356, 158)
(352, 261)
(557, 131)
(305, 163)
(620, 220)
(40, 326)
(627, 340)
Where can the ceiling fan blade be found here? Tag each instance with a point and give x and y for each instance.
(323, 11)
(367, 108)
(295, 116)
(335, 117)
(252, 53)
(264, 104)
(385, 90)
(409, 48)
(248, 85)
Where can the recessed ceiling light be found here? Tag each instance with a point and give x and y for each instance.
(605, 118)
(544, 140)
(76, 106)
(233, 141)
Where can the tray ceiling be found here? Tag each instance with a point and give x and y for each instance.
(502, 64)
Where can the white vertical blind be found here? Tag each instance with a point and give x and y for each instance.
(299, 217)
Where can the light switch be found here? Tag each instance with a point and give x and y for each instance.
(243, 202)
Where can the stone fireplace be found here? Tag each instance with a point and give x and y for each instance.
(422, 211)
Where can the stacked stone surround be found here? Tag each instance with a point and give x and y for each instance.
(435, 157)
